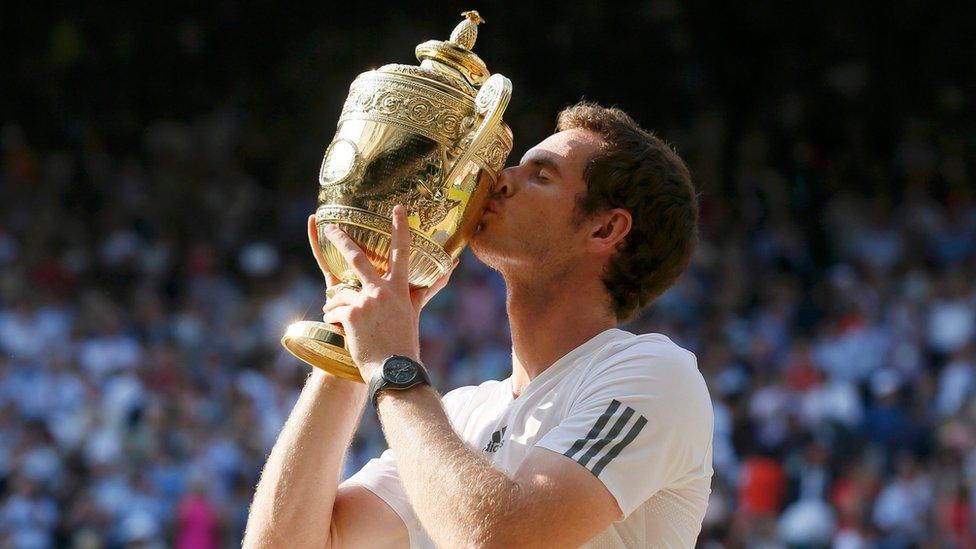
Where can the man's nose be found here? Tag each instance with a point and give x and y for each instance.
(505, 186)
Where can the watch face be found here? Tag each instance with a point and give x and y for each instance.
(400, 371)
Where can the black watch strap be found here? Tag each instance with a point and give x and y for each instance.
(397, 373)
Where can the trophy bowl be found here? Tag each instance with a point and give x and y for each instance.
(429, 137)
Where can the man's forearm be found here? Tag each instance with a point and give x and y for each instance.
(459, 497)
(294, 499)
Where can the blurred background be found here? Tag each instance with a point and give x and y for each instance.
(158, 161)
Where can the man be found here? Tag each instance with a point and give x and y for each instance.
(599, 437)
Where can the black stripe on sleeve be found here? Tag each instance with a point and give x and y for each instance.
(595, 431)
(635, 430)
(612, 434)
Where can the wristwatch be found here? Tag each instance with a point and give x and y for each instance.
(397, 373)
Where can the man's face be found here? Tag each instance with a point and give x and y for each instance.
(528, 218)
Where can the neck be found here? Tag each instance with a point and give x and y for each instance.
(550, 318)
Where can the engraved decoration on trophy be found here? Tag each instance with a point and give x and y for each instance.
(430, 137)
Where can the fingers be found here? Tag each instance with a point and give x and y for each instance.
(338, 308)
(353, 255)
(400, 246)
(313, 242)
(442, 281)
(344, 297)
(422, 296)
(339, 315)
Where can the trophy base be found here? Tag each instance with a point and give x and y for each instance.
(319, 345)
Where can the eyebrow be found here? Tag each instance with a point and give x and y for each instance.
(540, 158)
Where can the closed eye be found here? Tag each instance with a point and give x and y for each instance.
(547, 166)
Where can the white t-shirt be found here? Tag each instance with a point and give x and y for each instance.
(632, 409)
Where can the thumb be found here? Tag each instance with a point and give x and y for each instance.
(313, 242)
(421, 296)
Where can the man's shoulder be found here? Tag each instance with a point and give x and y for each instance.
(649, 367)
(648, 352)
(458, 398)
(656, 377)
(469, 390)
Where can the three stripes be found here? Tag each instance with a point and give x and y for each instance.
(610, 437)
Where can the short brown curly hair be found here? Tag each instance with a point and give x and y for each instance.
(637, 171)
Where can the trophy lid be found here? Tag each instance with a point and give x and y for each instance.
(456, 53)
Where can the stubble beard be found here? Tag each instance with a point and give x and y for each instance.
(515, 258)
(484, 251)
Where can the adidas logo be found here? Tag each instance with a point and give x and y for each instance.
(496, 441)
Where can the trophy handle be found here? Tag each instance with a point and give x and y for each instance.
(490, 103)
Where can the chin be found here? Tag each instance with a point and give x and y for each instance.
(494, 245)
(483, 248)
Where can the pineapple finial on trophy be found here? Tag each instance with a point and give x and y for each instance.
(466, 32)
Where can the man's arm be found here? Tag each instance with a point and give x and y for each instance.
(297, 502)
(464, 501)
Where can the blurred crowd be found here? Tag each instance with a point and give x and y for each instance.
(150, 260)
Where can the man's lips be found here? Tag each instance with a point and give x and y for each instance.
(490, 207)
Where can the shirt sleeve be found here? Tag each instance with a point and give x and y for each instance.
(380, 476)
(641, 420)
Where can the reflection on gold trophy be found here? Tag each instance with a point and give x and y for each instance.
(430, 137)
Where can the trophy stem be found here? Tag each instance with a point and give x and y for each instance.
(322, 346)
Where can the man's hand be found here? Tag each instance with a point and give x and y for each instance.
(383, 318)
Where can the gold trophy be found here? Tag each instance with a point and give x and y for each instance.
(430, 137)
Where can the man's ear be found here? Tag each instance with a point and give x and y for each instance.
(613, 227)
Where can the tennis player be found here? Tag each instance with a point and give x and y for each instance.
(599, 438)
